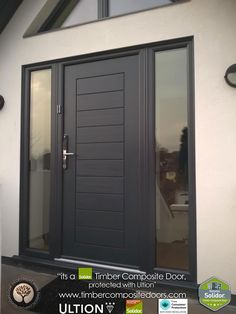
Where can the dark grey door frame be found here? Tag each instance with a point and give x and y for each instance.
(147, 163)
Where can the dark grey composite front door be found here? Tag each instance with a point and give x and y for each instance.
(101, 182)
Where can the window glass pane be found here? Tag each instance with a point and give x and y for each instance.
(39, 155)
(84, 11)
(117, 7)
(172, 209)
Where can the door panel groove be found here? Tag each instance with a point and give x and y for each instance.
(100, 228)
(99, 109)
(97, 126)
(102, 92)
(100, 210)
(100, 159)
(100, 75)
(99, 246)
(99, 176)
(108, 142)
(107, 209)
(96, 193)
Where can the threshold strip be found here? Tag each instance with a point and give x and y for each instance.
(131, 270)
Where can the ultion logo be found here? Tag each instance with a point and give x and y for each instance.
(23, 293)
(110, 306)
(134, 307)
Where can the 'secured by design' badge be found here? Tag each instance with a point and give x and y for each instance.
(214, 294)
(23, 293)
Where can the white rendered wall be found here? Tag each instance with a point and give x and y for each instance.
(213, 24)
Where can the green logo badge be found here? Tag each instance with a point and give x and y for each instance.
(134, 307)
(85, 273)
(214, 294)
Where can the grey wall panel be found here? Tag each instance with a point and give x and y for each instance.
(114, 168)
(100, 100)
(100, 117)
(100, 151)
(99, 237)
(100, 185)
(99, 219)
(98, 84)
(108, 202)
(100, 134)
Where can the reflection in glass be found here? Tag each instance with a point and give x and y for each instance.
(84, 11)
(39, 155)
(172, 209)
(127, 6)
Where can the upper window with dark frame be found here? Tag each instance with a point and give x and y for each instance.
(58, 14)
(71, 12)
(129, 6)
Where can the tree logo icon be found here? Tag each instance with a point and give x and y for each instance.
(24, 293)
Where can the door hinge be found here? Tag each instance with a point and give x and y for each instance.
(59, 109)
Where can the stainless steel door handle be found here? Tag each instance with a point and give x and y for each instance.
(65, 154)
(64, 158)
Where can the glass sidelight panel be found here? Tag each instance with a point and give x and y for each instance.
(39, 156)
(171, 134)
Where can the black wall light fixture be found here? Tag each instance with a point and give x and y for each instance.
(2, 102)
(230, 75)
